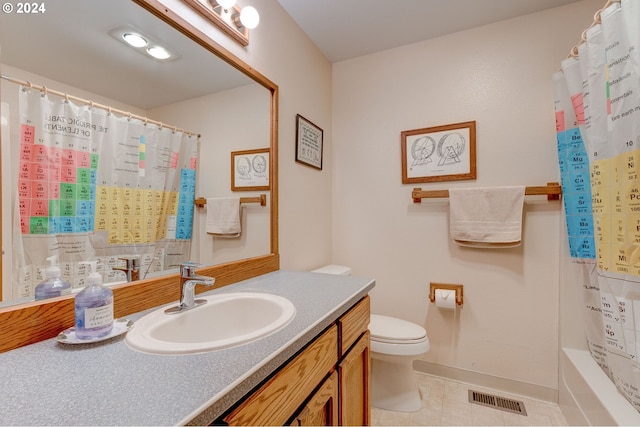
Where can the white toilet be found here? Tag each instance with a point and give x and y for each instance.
(395, 344)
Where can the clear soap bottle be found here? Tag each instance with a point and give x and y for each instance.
(93, 307)
(53, 285)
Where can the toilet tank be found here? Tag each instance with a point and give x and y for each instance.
(339, 270)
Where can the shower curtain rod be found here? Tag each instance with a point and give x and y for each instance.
(92, 104)
(596, 20)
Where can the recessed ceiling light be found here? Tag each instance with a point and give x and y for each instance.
(158, 52)
(143, 43)
(135, 40)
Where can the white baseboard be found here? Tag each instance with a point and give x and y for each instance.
(533, 391)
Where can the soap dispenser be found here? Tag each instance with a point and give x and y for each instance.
(53, 285)
(94, 307)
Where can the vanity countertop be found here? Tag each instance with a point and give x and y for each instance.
(108, 383)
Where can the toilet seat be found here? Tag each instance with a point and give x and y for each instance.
(393, 336)
(392, 329)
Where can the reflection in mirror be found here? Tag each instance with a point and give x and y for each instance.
(73, 49)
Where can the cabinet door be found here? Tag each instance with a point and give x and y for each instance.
(353, 373)
(322, 408)
(279, 398)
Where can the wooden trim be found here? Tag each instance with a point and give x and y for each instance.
(36, 321)
(273, 168)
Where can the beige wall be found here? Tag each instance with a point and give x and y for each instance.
(282, 52)
(500, 76)
(357, 212)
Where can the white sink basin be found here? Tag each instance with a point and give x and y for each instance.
(226, 320)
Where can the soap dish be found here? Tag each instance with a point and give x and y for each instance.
(120, 326)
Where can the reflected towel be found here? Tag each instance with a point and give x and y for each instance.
(486, 217)
(223, 216)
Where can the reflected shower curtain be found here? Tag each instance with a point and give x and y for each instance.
(598, 108)
(93, 185)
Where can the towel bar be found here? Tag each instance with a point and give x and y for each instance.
(262, 199)
(553, 190)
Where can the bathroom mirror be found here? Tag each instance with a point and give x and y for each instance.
(206, 90)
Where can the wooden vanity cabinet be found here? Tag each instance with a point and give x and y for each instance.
(327, 383)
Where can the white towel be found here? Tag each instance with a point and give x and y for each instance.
(486, 217)
(223, 216)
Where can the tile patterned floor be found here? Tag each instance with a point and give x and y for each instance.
(446, 403)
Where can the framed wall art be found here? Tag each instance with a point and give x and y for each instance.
(308, 143)
(441, 153)
(250, 170)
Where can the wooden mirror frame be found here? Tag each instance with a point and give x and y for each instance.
(39, 320)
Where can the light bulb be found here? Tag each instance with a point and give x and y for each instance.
(134, 39)
(249, 17)
(226, 4)
(158, 52)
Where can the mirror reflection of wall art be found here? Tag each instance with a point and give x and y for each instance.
(250, 170)
(308, 143)
(441, 153)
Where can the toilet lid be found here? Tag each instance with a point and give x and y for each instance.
(392, 328)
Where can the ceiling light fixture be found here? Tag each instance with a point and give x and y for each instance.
(142, 43)
(158, 52)
(227, 16)
(135, 40)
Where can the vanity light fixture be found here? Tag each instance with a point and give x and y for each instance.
(142, 43)
(228, 17)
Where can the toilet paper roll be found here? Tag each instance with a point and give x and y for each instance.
(446, 299)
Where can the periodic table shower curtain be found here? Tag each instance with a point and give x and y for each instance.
(93, 185)
(597, 99)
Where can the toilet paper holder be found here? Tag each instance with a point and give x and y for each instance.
(447, 286)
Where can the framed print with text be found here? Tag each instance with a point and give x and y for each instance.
(308, 143)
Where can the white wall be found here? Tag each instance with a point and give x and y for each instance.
(500, 76)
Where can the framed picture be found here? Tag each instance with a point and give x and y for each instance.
(308, 143)
(441, 153)
(250, 170)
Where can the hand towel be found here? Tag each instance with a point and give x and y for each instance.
(223, 216)
(486, 217)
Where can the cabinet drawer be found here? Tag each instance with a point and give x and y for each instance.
(284, 393)
(353, 323)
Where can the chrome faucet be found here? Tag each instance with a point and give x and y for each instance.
(131, 270)
(188, 281)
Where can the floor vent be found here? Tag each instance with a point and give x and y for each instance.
(513, 406)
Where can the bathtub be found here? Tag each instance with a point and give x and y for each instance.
(587, 396)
